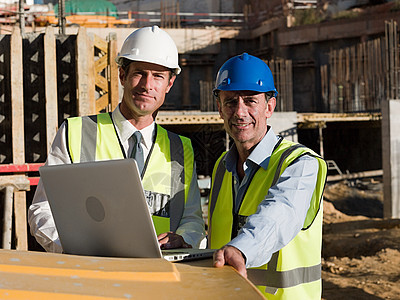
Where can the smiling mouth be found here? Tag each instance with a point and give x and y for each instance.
(143, 96)
(240, 125)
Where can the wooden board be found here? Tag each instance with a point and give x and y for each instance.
(18, 142)
(34, 275)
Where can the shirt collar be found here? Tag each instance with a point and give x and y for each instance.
(126, 129)
(259, 156)
(263, 151)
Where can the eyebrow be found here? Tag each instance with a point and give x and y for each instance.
(244, 97)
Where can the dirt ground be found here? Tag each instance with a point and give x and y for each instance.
(361, 250)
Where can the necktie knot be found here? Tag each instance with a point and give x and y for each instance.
(137, 151)
(137, 137)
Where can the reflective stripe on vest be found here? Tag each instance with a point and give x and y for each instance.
(269, 275)
(168, 169)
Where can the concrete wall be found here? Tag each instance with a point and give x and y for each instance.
(391, 158)
(187, 40)
(285, 124)
(205, 6)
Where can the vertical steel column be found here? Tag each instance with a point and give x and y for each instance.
(22, 16)
(61, 16)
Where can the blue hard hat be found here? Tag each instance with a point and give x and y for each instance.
(245, 72)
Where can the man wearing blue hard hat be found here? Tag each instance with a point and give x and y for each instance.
(265, 208)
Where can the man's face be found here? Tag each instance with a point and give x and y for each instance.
(145, 85)
(245, 115)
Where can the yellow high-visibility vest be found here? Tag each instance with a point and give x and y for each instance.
(294, 272)
(167, 172)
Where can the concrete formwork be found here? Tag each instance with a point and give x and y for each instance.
(391, 158)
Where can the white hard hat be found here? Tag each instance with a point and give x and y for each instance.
(153, 45)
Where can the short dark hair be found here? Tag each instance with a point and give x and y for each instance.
(269, 95)
(124, 63)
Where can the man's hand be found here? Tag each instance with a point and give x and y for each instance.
(170, 240)
(229, 255)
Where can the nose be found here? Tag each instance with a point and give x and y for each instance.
(146, 82)
(241, 108)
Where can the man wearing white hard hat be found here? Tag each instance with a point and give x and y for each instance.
(148, 64)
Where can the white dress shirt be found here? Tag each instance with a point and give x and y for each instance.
(40, 219)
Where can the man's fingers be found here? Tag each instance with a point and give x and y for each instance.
(163, 235)
(170, 240)
(219, 258)
(163, 238)
(241, 269)
(232, 256)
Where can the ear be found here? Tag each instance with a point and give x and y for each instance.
(270, 107)
(170, 83)
(122, 76)
(219, 109)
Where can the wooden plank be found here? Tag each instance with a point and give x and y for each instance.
(347, 92)
(102, 103)
(38, 275)
(18, 182)
(85, 74)
(101, 82)
(372, 75)
(99, 43)
(281, 83)
(356, 175)
(50, 79)
(340, 81)
(360, 73)
(17, 97)
(101, 63)
(380, 57)
(185, 78)
(331, 87)
(324, 87)
(18, 144)
(356, 75)
(335, 101)
(365, 76)
(353, 74)
(289, 86)
(380, 61)
(203, 105)
(390, 63)
(164, 118)
(387, 57)
(113, 89)
(21, 232)
(396, 60)
(7, 216)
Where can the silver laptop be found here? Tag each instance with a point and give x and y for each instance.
(99, 209)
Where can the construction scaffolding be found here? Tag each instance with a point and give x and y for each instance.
(44, 79)
(360, 77)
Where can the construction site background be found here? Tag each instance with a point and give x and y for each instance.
(334, 85)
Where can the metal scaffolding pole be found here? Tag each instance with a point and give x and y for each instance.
(22, 16)
(61, 16)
